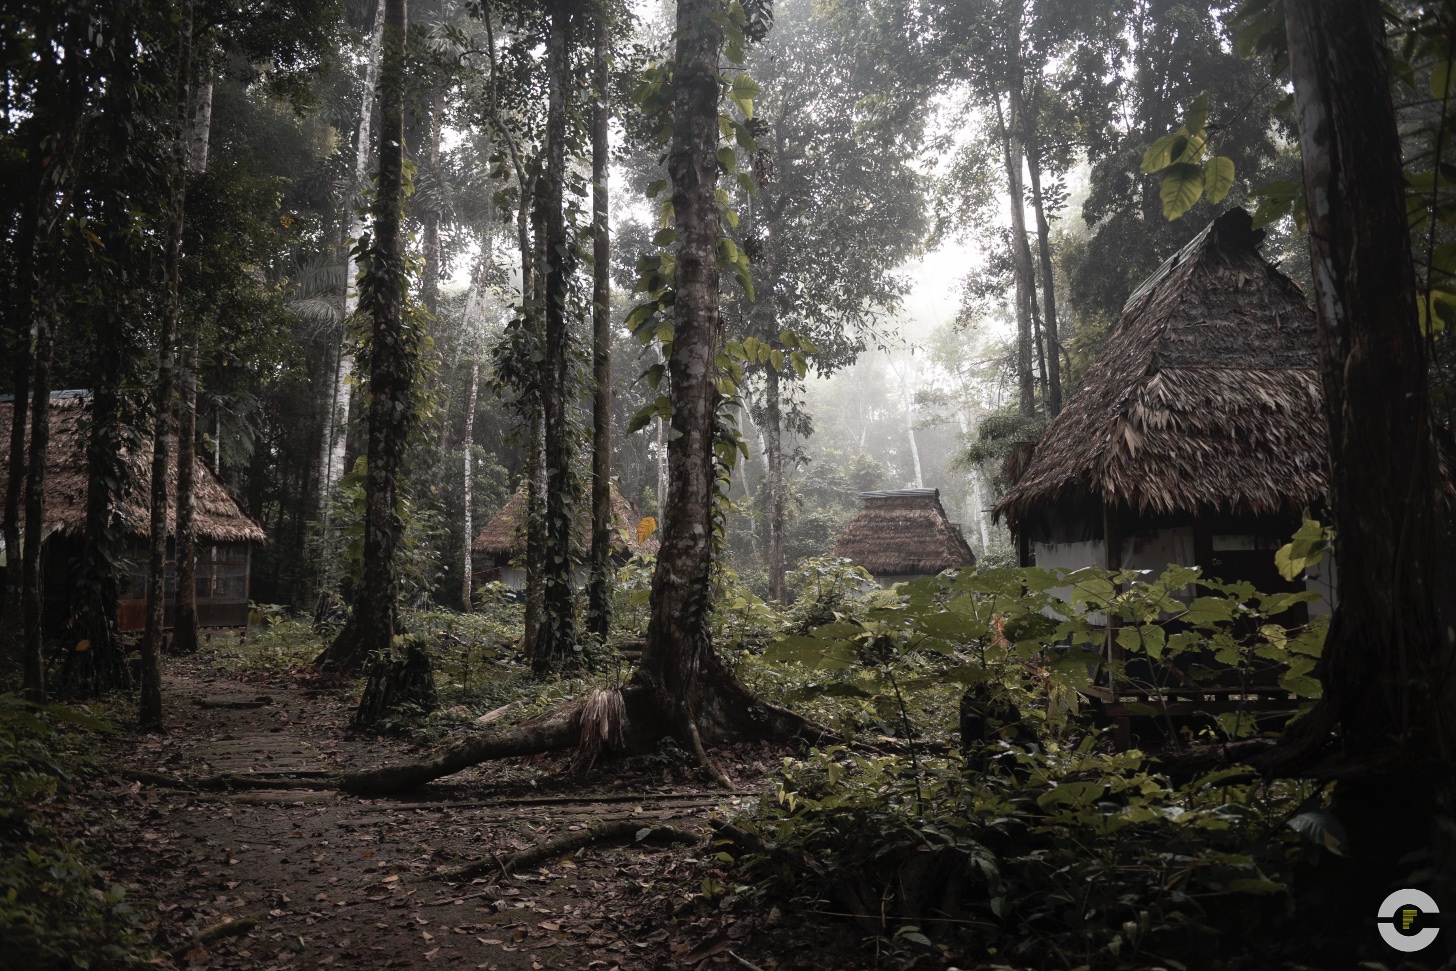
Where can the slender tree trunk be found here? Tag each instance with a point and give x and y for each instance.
(150, 714)
(430, 241)
(185, 623)
(467, 581)
(335, 439)
(393, 355)
(1388, 664)
(773, 461)
(599, 596)
(1048, 279)
(201, 127)
(907, 400)
(12, 629)
(1013, 154)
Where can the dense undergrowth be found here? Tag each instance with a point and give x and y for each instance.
(56, 910)
(1032, 843)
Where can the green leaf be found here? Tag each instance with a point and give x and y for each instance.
(727, 159)
(1258, 886)
(655, 187)
(745, 87)
(776, 359)
(1442, 77)
(1074, 794)
(1218, 178)
(664, 237)
(1197, 114)
(1162, 152)
(1181, 189)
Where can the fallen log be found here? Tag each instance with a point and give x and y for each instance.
(550, 735)
(262, 701)
(569, 843)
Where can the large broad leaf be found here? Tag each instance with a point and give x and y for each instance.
(1181, 189)
(1075, 794)
(1322, 829)
(1218, 177)
(1162, 152)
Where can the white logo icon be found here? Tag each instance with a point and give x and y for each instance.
(1403, 907)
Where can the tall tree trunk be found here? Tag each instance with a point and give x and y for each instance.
(1048, 280)
(334, 442)
(1013, 156)
(467, 580)
(678, 637)
(21, 334)
(150, 713)
(185, 622)
(430, 241)
(907, 400)
(773, 461)
(555, 647)
(1388, 662)
(369, 631)
(599, 595)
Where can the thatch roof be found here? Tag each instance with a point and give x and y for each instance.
(903, 533)
(504, 535)
(1205, 398)
(219, 519)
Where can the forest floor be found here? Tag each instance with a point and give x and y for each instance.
(338, 882)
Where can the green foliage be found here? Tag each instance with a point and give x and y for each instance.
(1068, 851)
(1308, 546)
(56, 912)
(1040, 839)
(417, 559)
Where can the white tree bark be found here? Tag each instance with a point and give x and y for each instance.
(335, 439)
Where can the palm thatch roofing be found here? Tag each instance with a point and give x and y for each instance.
(504, 536)
(903, 533)
(218, 517)
(1204, 399)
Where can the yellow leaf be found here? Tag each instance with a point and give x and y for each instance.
(82, 646)
(646, 526)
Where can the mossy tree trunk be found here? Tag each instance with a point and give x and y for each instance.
(555, 646)
(1387, 665)
(599, 593)
(369, 631)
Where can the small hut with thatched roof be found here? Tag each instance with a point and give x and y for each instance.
(225, 535)
(501, 543)
(903, 534)
(1198, 436)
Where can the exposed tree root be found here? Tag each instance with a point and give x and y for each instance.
(570, 843)
(217, 932)
(630, 720)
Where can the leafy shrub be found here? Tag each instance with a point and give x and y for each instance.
(1053, 849)
(55, 910)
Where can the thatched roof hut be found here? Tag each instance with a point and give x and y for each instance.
(903, 533)
(225, 533)
(219, 518)
(1205, 398)
(504, 536)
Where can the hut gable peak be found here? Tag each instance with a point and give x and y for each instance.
(1204, 396)
(903, 532)
(217, 515)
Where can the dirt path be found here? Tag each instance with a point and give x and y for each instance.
(339, 882)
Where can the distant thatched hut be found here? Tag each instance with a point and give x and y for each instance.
(1198, 436)
(501, 544)
(225, 535)
(903, 534)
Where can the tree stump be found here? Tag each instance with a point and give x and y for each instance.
(398, 687)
